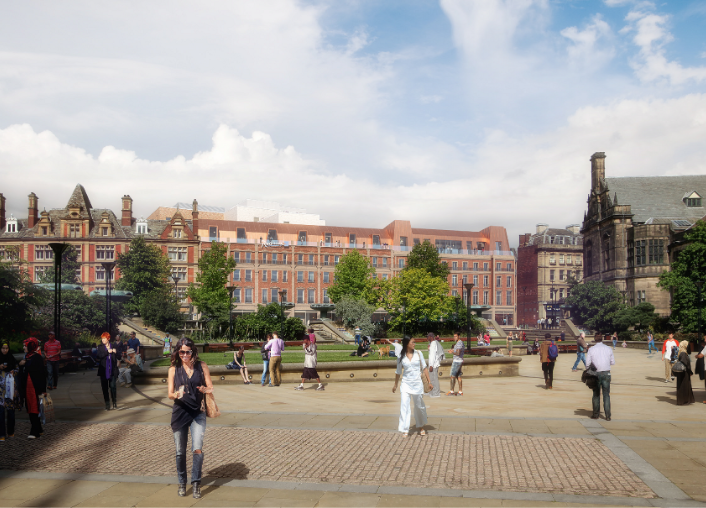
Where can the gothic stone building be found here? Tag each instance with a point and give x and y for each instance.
(628, 226)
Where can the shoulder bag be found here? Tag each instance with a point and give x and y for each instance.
(678, 367)
(208, 405)
(425, 381)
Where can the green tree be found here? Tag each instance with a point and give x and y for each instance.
(210, 295)
(424, 255)
(641, 316)
(456, 317)
(69, 267)
(267, 319)
(18, 300)
(593, 305)
(356, 312)
(416, 295)
(161, 309)
(354, 278)
(144, 268)
(688, 268)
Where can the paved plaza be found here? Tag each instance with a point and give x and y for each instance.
(506, 442)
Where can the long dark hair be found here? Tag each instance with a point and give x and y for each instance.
(176, 360)
(405, 343)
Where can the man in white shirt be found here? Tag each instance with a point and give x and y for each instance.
(398, 347)
(436, 354)
(601, 357)
(667, 357)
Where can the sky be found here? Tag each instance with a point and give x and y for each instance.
(453, 114)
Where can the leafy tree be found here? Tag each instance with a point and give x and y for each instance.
(143, 269)
(267, 319)
(356, 312)
(688, 268)
(69, 266)
(354, 278)
(161, 309)
(640, 316)
(593, 305)
(210, 295)
(457, 317)
(421, 295)
(18, 299)
(426, 256)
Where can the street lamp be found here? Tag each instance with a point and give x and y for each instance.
(552, 294)
(282, 295)
(108, 267)
(230, 289)
(58, 249)
(468, 286)
(698, 285)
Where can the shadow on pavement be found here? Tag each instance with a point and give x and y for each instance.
(233, 471)
(583, 412)
(671, 400)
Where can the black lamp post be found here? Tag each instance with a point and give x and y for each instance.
(282, 295)
(468, 286)
(58, 249)
(231, 289)
(552, 294)
(108, 267)
(699, 284)
(175, 279)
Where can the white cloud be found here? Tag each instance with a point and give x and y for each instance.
(591, 46)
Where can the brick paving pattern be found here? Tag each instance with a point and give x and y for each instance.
(505, 463)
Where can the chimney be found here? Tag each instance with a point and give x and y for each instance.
(597, 170)
(524, 239)
(574, 228)
(541, 228)
(2, 212)
(127, 211)
(195, 217)
(32, 215)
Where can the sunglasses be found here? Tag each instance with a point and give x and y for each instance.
(186, 353)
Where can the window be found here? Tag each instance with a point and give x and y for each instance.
(454, 265)
(475, 280)
(693, 202)
(326, 299)
(236, 296)
(285, 276)
(465, 279)
(606, 252)
(656, 252)
(551, 274)
(39, 271)
(236, 256)
(274, 296)
(311, 260)
(311, 298)
(300, 296)
(498, 281)
(640, 296)
(240, 235)
(561, 259)
(465, 265)
(376, 240)
(475, 267)
(485, 297)
(384, 262)
(375, 262)
(508, 267)
(508, 297)
(302, 237)
(74, 230)
(326, 258)
(498, 245)
(108, 252)
(311, 277)
(248, 295)
(485, 281)
(384, 276)
(248, 257)
(328, 239)
(248, 275)
(300, 259)
(300, 276)
(475, 298)
(485, 267)
(335, 259)
(236, 275)
(400, 262)
(176, 233)
(275, 276)
(454, 280)
(327, 277)
(351, 240)
(104, 231)
(561, 293)
(272, 235)
(179, 272)
(264, 297)
(174, 253)
(498, 298)
(264, 276)
(264, 257)
(498, 266)
(43, 252)
(552, 259)
(509, 282)
(568, 259)
(415, 241)
(403, 241)
(212, 233)
(274, 259)
(100, 273)
(561, 274)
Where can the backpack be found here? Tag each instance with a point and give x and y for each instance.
(675, 353)
(553, 352)
(265, 353)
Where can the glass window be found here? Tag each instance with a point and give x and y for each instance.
(475, 298)
(300, 276)
(264, 257)
(302, 237)
(454, 280)
(400, 262)
(248, 295)
(108, 252)
(485, 297)
(508, 295)
(485, 281)
(465, 279)
(248, 275)
(326, 258)
(311, 298)
(351, 240)
(640, 253)
(498, 280)
(656, 252)
(561, 274)
(375, 261)
(498, 245)
(508, 267)
(300, 296)
(236, 256)
(475, 280)
(335, 259)
(454, 265)
(311, 260)
(248, 257)
(275, 276)
(274, 295)
(179, 272)
(403, 241)
(498, 266)
(311, 277)
(326, 299)
(475, 266)
(328, 239)
(327, 276)
(272, 235)
(264, 297)
(498, 298)
(509, 282)
(551, 274)
(485, 267)
(236, 296)
(376, 240)
(240, 235)
(384, 262)
(285, 275)
(264, 276)
(43, 252)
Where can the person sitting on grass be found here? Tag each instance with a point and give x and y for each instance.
(363, 348)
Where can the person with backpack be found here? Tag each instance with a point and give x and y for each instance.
(670, 352)
(548, 353)
(266, 363)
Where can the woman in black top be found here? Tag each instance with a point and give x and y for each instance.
(108, 370)
(32, 383)
(188, 380)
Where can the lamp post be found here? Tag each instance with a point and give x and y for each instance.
(468, 286)
(282, 295)
(58, 249)
(108, 267)
(230, 289)
(699, 284)
(552, 294)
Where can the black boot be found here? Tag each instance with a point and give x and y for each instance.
(197, 490)
(182, 490)
(107, 405)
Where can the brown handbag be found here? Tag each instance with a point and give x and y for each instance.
(425, 381)
(212, 410)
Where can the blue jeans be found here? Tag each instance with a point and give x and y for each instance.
(603, 384)
(580, 357)
(265, 372)
(52, 373)
(357, 340)
(10, 429)
(615, 343)
(198, 429)
(651, 346)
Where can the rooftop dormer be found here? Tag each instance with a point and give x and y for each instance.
(12, 226)
(105, 227)
(141, 227)
(692, 199)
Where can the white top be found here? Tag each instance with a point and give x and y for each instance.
(436, 354)
(310, 356)
(398, 349)
(601, 356)
(411, 379)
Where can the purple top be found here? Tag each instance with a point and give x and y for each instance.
(275, 346)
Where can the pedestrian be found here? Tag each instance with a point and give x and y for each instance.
(539, 323)
(412, 388)
(563, 336)
(650, 342)
(486, 338)
(312, 336)
(524, 338)
(436, 354)
(685, 395)
(275, 347)
(33, 384)
(265, 353)
(108, 370)
(397, 347)
(52, 350)
(239, 363)
(131, 364)
(188, 380)
(456, 365)
(310, 372)
(509, 344)
(601, 357)
(548, 352)
(9, 392)
(615, 339)
(167, 347)
(357, 335)
(581, 348)
(134, 343)
(668, 356)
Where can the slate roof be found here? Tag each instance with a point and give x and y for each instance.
(658, 197)
(544, 237)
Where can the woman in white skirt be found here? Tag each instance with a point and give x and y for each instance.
(414, 366)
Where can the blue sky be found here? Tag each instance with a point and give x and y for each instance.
(455, 114)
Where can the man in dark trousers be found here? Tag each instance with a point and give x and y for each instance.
(601, 357)
(545, 356)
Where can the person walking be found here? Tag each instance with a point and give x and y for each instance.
(52, 351)
(239, 363)
(167, 348)
(436, 354)
(685, 394)
(411, 366)
(310, 372)
(134, 343)
(581, 348)
(509, 344)
(33, 384)
(266, 362)
(615, 339)
(601, 357)
(650, 342)
(188, 380)
(108, 364)
(275, 347)
(9, 392)
(548, 353)
(668, 357)
(357, 335)
(456, 365)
